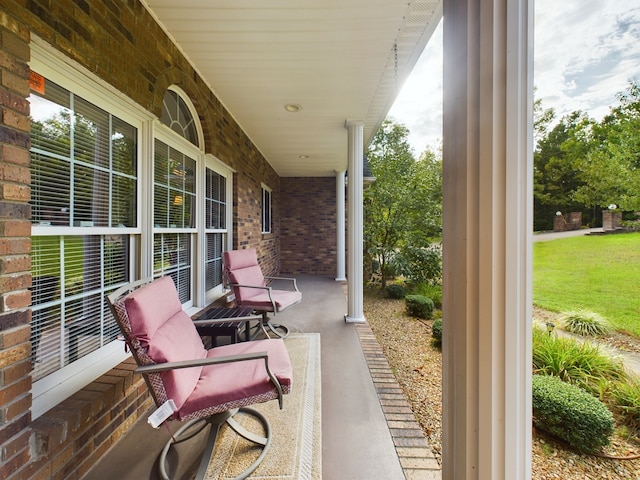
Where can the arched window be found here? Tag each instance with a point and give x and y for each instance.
(190, 204)
(177, 115)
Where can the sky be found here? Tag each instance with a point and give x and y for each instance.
(585, 52)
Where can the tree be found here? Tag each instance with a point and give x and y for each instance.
(403, 206)
(555, 174)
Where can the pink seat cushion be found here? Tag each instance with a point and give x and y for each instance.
(243, 269)
(168, 334)
(282, 298)
(232, 385)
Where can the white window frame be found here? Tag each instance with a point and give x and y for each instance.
(266, 192)
(213, 163)
(61, 384)
(55, 387)
(172, 139)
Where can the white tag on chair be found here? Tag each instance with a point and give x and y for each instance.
(162, 413)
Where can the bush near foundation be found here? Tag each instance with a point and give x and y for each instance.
(396, 291)
(570, 414)
(419, 306)
(436, 332)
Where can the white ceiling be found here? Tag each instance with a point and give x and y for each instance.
(338, 59)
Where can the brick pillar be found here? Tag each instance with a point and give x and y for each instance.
(15, 247)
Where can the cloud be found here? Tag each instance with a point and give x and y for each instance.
(585, 53)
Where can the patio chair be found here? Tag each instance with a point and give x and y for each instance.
(209, 386)
(252, 289)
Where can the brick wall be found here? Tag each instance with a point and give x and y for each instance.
(308, 226)
(121, 44)
(69, 440)
(15, 245)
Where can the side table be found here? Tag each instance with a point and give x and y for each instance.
(226, 322)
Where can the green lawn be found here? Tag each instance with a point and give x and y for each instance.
(600, 273)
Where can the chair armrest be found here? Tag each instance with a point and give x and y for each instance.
(200, 362)
(250, 286)
(292, 280)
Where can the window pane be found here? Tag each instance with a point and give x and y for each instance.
(266, 211)
(124, 147)
(75, 146)
(90, 197)
(50, 190)
(177, 116)
(51, 120)
(215, 200)
(174, 188)
(124, 202)
(91, 134)
(213, 261)
(71, 320)
(172, 256)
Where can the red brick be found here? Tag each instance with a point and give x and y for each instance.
(14, 281)
(15, 445)
(16, 40)
(15, 83)
(9, 467)
(48, 434)
(14, 192)
(15, 228)
(15, 120)
(15, 246)
(19, 389)
(15, 173)
(15, 336)
(14, 355)
(11, 429)
(16, 371)
(12, 154)
(14, 300)
(17, 408)
(15, 263)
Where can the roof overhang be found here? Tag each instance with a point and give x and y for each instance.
(335, 60)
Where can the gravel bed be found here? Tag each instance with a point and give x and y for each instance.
(417, 365)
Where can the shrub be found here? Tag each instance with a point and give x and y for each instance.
(431, 290)
(584, 323)
(627, 403)
(396, 291)
(436, 332)
(419, 264)
(571, 414)
(419, 306)
(576, 362)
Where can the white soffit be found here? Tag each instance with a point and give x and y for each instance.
(338, 60)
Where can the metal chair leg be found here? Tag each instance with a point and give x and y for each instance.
(216, 421)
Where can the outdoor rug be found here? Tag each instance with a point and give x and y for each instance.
(296, 443)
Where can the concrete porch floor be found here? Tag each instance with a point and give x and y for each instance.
(368, 430)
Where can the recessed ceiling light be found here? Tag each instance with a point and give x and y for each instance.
(292, 107)
(303, 156)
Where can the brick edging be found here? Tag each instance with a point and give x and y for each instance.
(413, 449)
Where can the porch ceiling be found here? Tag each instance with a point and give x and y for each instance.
(335, 58)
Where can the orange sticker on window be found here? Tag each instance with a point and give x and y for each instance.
(36, 82)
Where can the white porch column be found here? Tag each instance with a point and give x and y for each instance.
(487, 222)
(355, 273)
(340, 224)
